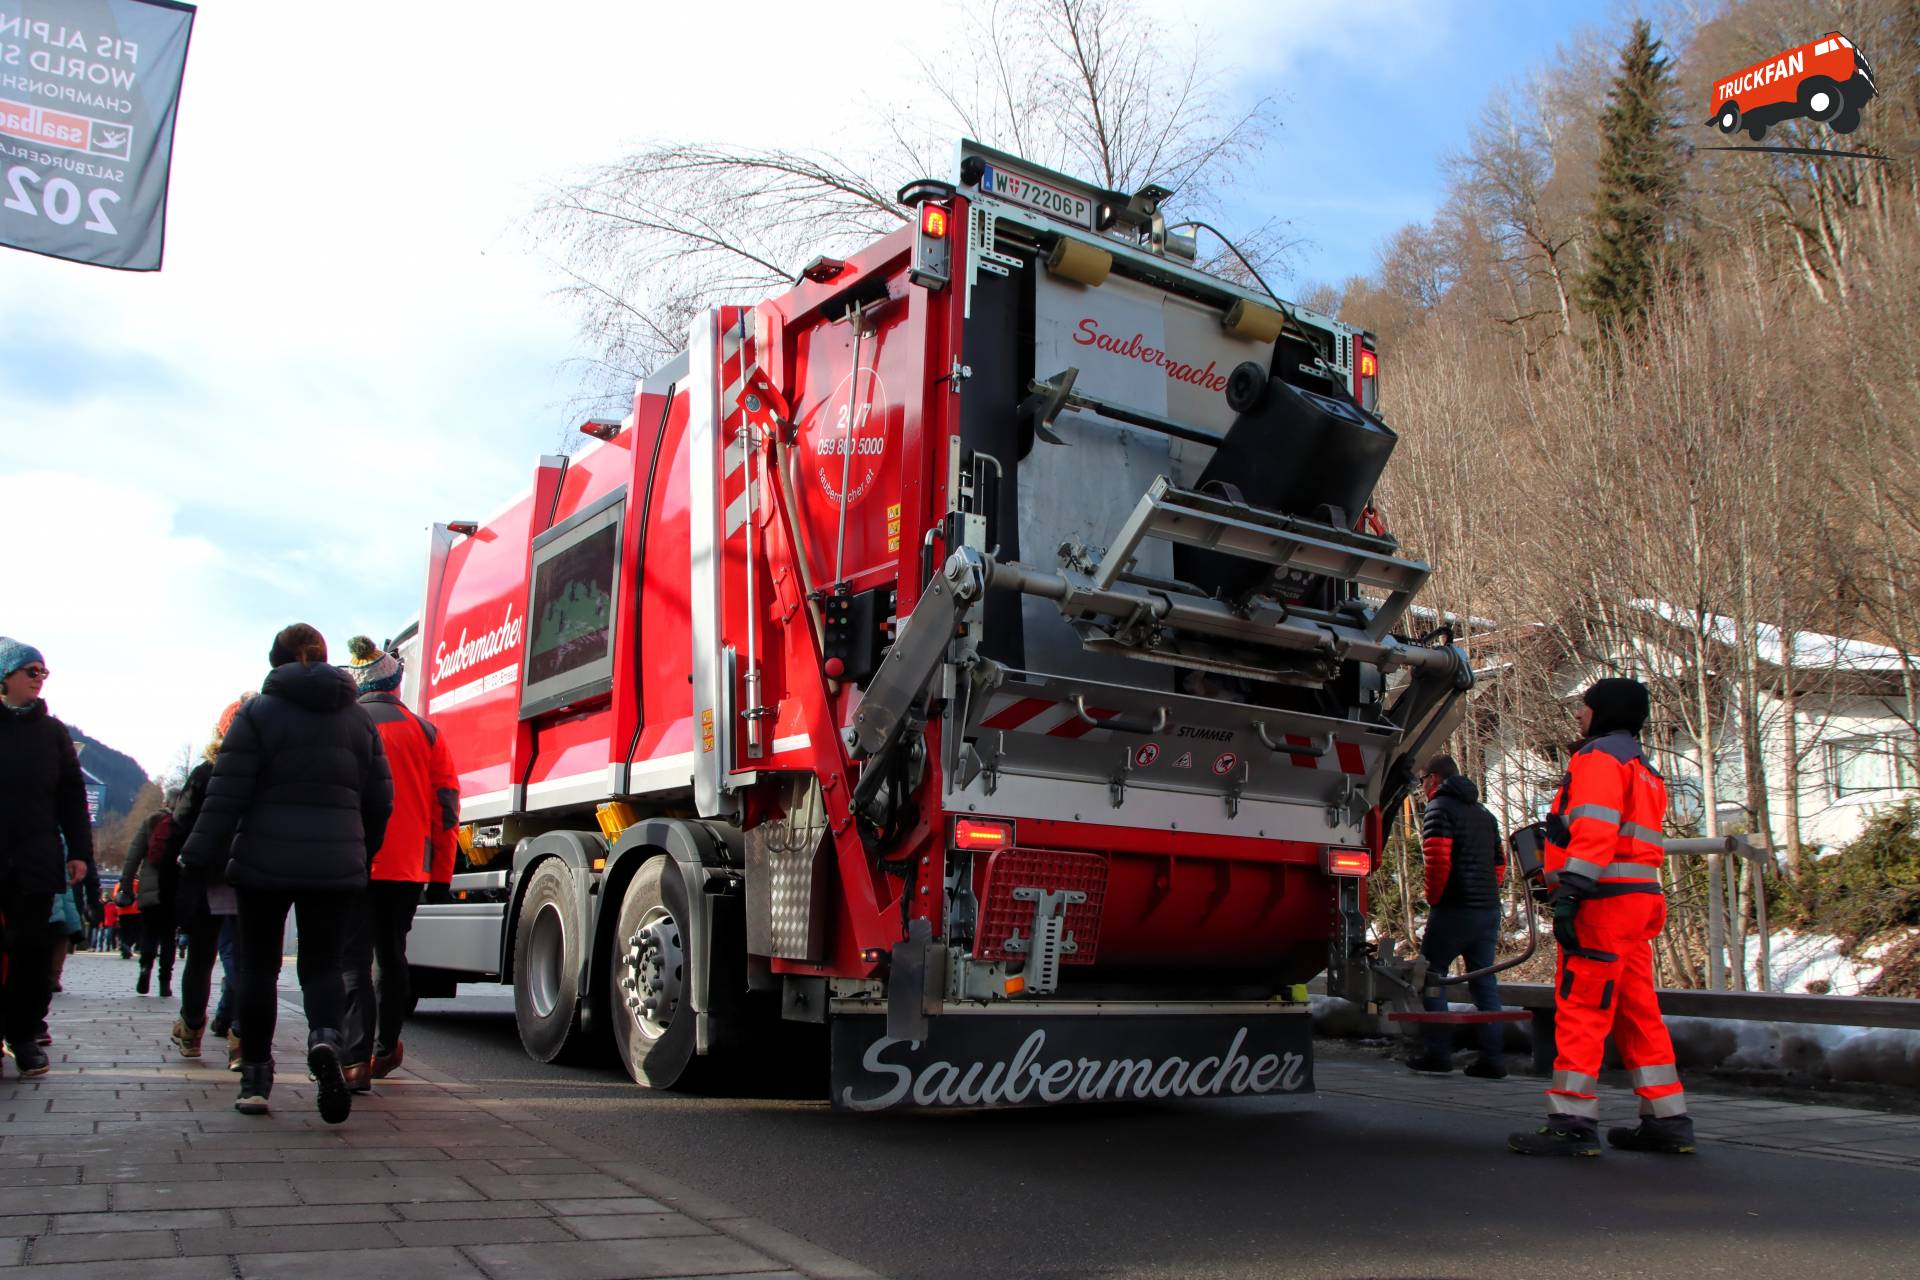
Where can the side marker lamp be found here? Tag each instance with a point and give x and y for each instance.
(982, 835)
(1346, 862)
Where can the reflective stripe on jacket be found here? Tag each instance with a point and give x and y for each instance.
(1611, 811)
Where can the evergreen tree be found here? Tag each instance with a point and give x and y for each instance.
(1640, 184)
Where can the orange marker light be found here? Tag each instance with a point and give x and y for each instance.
(980, 833)
(933, 221)
(1369, 364)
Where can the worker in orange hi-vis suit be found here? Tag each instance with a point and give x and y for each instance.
(1603, 861)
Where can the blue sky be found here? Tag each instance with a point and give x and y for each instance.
(1367, 121)
(355, 336)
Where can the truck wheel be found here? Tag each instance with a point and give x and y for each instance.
(650, 999)
(1821, 98)
(1729, 118)
(546, 965)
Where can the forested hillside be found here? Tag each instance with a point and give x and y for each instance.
(1664, 401)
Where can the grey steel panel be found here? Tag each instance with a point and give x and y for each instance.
(461, 937)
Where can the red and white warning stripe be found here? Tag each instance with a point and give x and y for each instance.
(736, 357)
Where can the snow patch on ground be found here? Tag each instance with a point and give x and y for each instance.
(1796, 960)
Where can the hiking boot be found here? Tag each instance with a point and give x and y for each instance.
(359, 1077)
(323, 1060)
(233, 1050)
(385, 1064)
(32, 1060)
(1438, 1064)
(1666, 1135)
(1481, 1069)
(186, 1039)
(256, 1083)
(143, 983)
(1557, 1137)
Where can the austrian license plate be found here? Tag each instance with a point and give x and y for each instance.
(1039, 1059)
(1053, 201)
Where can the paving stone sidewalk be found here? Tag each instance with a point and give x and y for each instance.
(1852, 1134)
(128, 1161)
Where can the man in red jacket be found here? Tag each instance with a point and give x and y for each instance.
(1604, 852)
(417, 851)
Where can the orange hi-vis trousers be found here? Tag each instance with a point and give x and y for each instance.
(1595, 996)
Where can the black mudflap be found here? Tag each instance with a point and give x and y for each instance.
(1044, 1058)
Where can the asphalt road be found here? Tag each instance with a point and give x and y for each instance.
(1338, 1186)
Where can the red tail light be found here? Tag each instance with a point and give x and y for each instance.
(982, 835)
(1346, 862)
(933, 221)
(1366, 375)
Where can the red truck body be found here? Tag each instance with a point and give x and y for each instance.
(661, 653)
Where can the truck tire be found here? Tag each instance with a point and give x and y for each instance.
(547, 944)
(649, 1003)
(1820, 98)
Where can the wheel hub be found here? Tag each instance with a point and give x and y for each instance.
(652, 969)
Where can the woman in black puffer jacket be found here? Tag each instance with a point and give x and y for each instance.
(297, 805)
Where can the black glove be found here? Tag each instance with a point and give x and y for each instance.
(439, 893)
(1565, 907)
(1570, 890)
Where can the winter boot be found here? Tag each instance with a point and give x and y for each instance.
(31, 1059)
(1667, 1135)
(1483, 1069)
(1559, 1136)
(233, 1050)
(1437, 1064)
(256, 1083)
(385, 1063)
(323, 1060)
(143, 983)
(166, 984)
(187, 1039)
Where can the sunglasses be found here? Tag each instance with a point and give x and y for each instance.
(35, 673)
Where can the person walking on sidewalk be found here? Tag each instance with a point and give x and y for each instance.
(152, 866)
(1603, 859)
(1466, 867)
(296, 805)
(206, 906)
(43, 803)
(417, 851)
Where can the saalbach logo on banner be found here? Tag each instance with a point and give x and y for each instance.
(88, 94)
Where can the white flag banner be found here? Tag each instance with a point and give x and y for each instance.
(89, 90)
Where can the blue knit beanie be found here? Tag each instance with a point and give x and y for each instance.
(372, 670)
(14, 655)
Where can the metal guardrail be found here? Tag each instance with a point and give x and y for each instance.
(1877, 1012)
(1881, 1012)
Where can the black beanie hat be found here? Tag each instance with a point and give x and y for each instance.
(1618, 703)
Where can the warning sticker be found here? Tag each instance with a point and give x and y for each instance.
(893, 526)
(1184, 760)
(1146, 755)
(1224, 762)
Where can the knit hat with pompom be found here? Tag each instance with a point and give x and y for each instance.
(372, 670)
